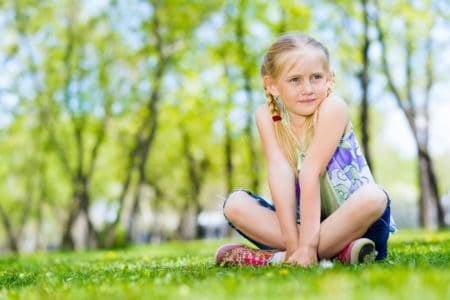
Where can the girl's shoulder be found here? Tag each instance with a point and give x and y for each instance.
(332, 107)
(334, 103)
(332, 113)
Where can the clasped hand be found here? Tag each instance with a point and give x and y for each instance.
(303, 256)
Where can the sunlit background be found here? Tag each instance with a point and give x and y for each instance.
(130, 121)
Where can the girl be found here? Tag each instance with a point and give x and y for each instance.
(326, 203)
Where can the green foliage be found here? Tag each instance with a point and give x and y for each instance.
(417, 268)
(71, 65)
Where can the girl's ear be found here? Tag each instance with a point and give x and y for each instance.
(330, 80)
(271, 86)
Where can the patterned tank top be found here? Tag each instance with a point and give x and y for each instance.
(346, 172)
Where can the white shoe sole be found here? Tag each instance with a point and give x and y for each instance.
(363, 251)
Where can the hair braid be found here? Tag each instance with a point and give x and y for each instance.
(272, 103)
(283, 132)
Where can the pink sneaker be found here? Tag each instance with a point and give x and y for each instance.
(359, 251)
(242, 255)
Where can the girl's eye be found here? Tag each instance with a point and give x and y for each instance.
(317, 77)
(294, 81)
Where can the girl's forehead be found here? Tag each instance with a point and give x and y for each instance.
(305, 59)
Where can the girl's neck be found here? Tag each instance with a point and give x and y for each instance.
(297, 123)
(299, 128)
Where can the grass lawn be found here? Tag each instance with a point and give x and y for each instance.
(418, 267)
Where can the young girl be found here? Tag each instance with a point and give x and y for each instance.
(325, 202)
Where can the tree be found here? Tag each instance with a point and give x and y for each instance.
(168, 37)
(364, 80)
(415, 38)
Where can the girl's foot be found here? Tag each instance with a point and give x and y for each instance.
(359, 251)
(242, 255)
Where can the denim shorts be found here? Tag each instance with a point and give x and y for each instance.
(378, 232)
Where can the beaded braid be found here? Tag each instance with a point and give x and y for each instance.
(283, 132)
(273, 106)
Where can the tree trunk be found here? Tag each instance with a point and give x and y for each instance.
(228, 143)
(197, 169)
(364, 80)
(427, 213)
(92, 237)
(12, 239)
(110, 232)
(67, 242)
(145, 142)
(198, 229)
(431, 210)
(183, 228)
(254, 165)
(156, 228)
(131, 225)
(39, 245)
(144, 138)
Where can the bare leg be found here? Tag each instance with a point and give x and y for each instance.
(257, 222)
(349, 222)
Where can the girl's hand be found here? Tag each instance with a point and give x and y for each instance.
(303, 256)
(291, 247)
(289, 251)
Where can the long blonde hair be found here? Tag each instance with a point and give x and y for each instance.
(272, 67)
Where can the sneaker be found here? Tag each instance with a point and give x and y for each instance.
(359, 251)
(242, 255)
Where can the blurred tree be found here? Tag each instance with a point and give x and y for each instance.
(79, 104)
(364, 80)
(26, 151)
(168, 31)
(416, 40)
(249, 71)
(64, 66)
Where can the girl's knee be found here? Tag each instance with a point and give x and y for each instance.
(233, 205)
(375, 199)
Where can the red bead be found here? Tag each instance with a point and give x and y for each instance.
(276, 118)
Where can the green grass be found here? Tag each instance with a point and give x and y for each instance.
(418, 267)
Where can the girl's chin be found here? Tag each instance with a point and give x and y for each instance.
(303, 114)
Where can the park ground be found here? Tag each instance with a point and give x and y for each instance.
(418, 267)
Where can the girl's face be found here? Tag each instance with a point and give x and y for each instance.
(303, 81)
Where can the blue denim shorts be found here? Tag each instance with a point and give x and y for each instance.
(378, 232)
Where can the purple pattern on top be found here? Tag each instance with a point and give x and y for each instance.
(348, 169)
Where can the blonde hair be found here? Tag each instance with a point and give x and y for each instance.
(272, 67)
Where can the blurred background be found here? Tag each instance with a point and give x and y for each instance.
(129, 121)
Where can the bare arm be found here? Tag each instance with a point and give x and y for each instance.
(281, 179)
(331, 123)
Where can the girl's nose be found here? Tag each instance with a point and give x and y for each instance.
(306, 88)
